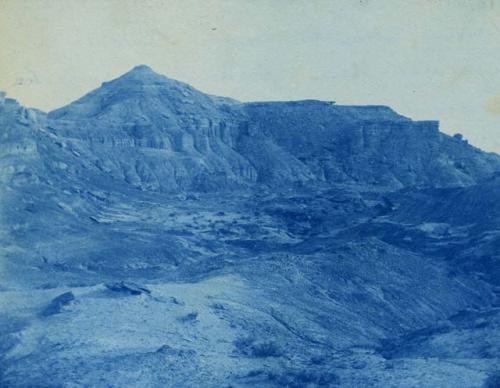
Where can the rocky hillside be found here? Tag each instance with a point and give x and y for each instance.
(159, 134)
(372, 145)
(155, 236)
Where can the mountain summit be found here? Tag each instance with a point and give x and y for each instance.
(139, 86)
(142, 69)
(143, 74)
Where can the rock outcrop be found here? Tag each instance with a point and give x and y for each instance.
(154, 235)
(159, 134)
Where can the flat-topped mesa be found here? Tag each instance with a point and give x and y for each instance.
(372, 112)
(325, 110)
(306, 102)
(371, 145)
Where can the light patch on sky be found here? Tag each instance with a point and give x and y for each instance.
(426, 59)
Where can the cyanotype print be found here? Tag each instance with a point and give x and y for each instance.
(249, 193)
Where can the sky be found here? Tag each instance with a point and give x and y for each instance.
(436, 59)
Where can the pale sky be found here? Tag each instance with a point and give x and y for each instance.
(427, 59)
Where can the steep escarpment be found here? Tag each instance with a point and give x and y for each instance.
(160, 134)
(372, 145)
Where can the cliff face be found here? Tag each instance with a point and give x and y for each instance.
(371, 145)
(18, 135)
(156, 133)
(160, 134)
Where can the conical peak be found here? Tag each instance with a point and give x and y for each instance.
(146, 76)
(143, 73)
(141, 83)
(142, 69)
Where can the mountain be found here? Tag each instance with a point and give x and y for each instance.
(154, 235)
(167, 134)
(170, 136)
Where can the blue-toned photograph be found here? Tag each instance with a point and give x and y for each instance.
(236, 193)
